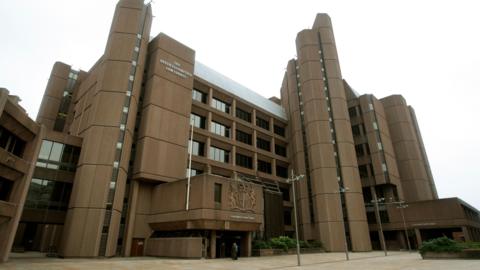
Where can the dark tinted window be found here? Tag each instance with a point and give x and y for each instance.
(243, 137)
(263, 123)
(244, 115)
(279, 130)
(263, 144)
(243, 161)
(264, 166)
(282, 171)
(280, 150)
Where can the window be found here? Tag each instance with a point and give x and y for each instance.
(375, 125)
(264, 166)
(263, 144)
(367, 148)
(243, 115)
(220, 129)
(285, 194)
(282, 171)
(359, 150)
(58, 156)
(356, 130)
(197, 148)
(243, 137)
(352, 111)
(263, 123)
(219, 154)
(279, 130)
(379, 145)
(280, 150)
(11, 143)
(370, 106)
(194, 172)
(220, 105)
(198, 121)
(287, 217)
(243, 161)
(362, 169)
(5, 188)
(48, 194)
(218, 193)
(199, 96)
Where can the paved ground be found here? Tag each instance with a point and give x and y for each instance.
(331, 261)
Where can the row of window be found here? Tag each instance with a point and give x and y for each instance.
(242, 114)
(58, 156)
(11, 143)
(241, 136)
(222, 155)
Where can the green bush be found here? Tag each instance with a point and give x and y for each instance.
(441, 244)
(260, 244)
(470, 245)
(304, 244)
(283, 242)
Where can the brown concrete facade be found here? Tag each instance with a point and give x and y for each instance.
(130, 123)
(323, 147)
(20, 139)
(412, 162)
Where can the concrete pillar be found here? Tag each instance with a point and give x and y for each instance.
(466, 234)
(418, 237)
(213, 244)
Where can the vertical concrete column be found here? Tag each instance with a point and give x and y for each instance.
(131, 217)
(272, 144)
(466, 234)
(93, 217)
(418, 237)
(210, 96)
(328, 140)
(233, 134)
(209, 121)
(247, 243)
(234, 155)
(274, 167)
(233, 107)
(254, 117)
(415, 180)
(213, 244)
(207, 147)
(254, 139)
(52, 97)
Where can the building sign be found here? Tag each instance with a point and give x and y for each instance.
(242, 196)
(175, 68)
(242, 217)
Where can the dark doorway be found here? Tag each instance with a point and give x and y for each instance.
(137, 247)
(225, 241)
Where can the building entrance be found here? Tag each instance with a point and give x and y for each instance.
(225, 240)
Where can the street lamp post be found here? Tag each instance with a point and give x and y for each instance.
(402, 206)
(291, 181)
(343, 190)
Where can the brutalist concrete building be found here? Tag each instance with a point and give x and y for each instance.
(104, 169)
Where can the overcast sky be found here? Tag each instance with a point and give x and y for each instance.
(427, 51)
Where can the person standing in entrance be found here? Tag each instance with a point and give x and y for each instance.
(234, 251)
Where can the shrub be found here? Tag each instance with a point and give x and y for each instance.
(441, 244)
(283, 242)
(260, 244)
(470, 245)
(304, 244)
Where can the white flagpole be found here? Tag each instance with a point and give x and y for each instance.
(189, 165)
